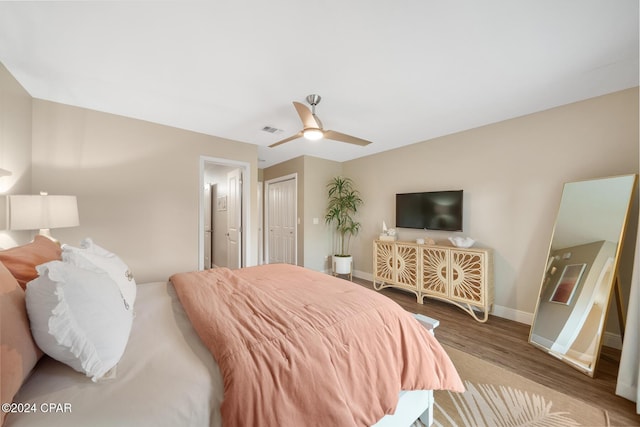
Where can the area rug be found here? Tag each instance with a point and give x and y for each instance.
(497, 397)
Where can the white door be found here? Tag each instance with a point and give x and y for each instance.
(208, 255)
(260, 223)
(281, 213)
(234, 219)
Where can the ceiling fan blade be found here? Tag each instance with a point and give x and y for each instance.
(308, 121)
(337, 136)
(291, 138)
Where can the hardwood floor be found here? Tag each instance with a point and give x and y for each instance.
(505, 343)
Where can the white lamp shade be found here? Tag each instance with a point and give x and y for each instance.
(34, 212)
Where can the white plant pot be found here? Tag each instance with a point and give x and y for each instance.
(342, 264)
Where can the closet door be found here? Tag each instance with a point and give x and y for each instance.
(281, 225)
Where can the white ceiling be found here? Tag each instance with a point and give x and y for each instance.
(393, 72)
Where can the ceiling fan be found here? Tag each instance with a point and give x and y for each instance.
(312, 126)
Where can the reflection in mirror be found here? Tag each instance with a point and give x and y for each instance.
(581, 270)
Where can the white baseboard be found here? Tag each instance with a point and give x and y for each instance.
(542, 341)
(612, 340)
(609, 339)
(362, 275)
(511, 314)
(498, 310)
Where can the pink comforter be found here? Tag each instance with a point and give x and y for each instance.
(300, 348)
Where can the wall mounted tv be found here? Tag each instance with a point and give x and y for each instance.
(433, 210)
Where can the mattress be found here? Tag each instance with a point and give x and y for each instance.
(166, 377)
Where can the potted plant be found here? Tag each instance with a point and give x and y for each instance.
(344, 202)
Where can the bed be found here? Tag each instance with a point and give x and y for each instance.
(168, 374)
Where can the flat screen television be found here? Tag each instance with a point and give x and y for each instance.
(433, 210)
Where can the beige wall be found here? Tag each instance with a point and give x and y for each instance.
(15, 149)
(318, 237)
(137, 183)
(512, 175)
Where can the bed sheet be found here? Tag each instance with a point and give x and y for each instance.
(166, 377)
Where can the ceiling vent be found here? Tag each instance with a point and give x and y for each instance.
(271, 129)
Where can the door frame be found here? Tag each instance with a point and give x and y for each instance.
(246, 204)
(293, 176)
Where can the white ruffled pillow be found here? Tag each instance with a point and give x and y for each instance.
(93, 257)
(78, 317)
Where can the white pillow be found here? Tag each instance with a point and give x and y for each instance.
(91, 257)
(78, 317)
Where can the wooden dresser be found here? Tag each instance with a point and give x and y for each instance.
(459, 276)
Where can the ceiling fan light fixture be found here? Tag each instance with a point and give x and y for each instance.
(312, 134)
(312, 126)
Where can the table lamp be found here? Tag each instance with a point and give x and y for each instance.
(42, 212)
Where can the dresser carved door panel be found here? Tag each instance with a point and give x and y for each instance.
(435, 271)
(463, 277)
(406, 265)
(467, 281)
(383, 261)
(395, 264)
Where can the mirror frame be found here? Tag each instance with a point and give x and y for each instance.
(613, 283)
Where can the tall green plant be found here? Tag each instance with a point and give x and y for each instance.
(344, 202)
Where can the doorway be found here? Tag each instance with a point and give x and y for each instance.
(223, 218)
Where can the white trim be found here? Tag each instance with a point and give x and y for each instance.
(267, 183)
(512, 314)
(362, 275)
(246, 205)
(609, 339)
(260, 223)
(498, 310)
(545, 344)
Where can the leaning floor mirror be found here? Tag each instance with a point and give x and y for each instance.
(581, 270)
